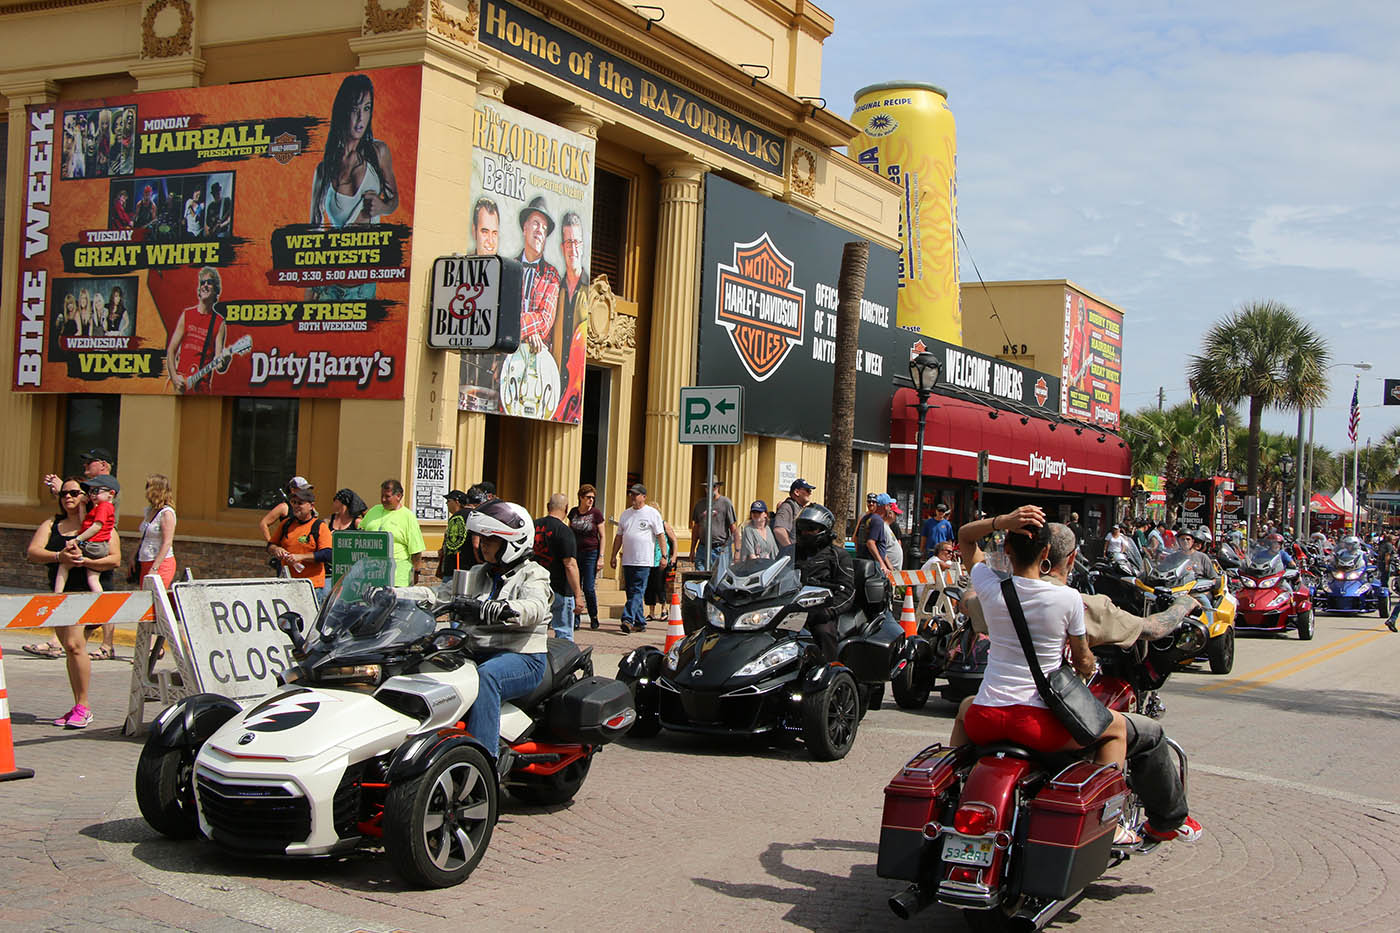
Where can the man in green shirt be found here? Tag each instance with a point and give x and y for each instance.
(391, 516)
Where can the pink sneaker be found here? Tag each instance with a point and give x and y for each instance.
(79, 717)
(1188, 831)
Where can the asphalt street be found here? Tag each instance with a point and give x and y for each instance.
(1293, 758)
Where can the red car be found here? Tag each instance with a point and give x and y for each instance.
(1271, 598)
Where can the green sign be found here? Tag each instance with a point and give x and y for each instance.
(349, 547)
(711, 415)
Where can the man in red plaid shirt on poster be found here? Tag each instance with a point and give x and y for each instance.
(539, 282)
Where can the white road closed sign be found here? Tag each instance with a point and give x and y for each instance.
(235, 646)
(712, 415)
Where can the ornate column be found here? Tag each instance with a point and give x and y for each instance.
(19, 411)
(671, 357)
(737, 465)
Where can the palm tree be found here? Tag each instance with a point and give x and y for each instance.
(1266, 353)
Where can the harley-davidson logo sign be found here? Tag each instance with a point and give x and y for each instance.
(1042, 391)
(1193, 499)
(284, 148)
(759, 306)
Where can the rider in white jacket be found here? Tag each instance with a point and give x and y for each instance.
(508, 640)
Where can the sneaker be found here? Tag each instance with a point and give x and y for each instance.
(1188, 831)
(592, 621)
(626, 627)
(639, 626)
(79, 717)
(1389, 623)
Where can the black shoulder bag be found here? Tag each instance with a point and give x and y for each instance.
(1068, 697)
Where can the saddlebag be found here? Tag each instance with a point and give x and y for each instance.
(1070, 831)
(582, 712)
(871, 656)
(912, 801)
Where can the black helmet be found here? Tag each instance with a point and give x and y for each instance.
(815, 529)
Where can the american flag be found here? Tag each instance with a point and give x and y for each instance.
(1355, 414)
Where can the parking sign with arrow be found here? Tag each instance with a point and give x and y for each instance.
(711, 415)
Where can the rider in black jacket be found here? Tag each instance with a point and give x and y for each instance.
(820, 562)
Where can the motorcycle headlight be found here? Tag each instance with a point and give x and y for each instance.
(1356, 575)
(1278, 600)
(1338, 575)
(714, 615)
(1191, 637)
(1267, 582)
(773, 657)
(757, 619)
(673, 657)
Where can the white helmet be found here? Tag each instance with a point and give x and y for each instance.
(1202, 534)
(508, 522)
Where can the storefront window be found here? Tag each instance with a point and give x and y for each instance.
(264, 445)
(611, 195)
(89, 421)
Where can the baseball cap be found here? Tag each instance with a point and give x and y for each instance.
(884, 498)
(800, 483)
(299, 487)
(895, 509)
(477, 495)
(99, 482)
(456, 495)
(96, 453)
(636, 489)
(872, 497)
(758, 506)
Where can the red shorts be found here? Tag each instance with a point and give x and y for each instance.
(1032, 726)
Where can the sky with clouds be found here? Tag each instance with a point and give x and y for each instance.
(1177, 159)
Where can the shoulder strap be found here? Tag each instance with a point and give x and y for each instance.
(1018, 619)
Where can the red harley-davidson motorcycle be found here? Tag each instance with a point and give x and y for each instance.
(1008, 834)
(1271, 597)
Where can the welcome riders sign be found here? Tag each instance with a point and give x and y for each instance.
(768, 317)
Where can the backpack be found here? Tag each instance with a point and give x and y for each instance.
(315, 533)
(863, 534)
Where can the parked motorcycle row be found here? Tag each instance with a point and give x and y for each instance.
(365, 744)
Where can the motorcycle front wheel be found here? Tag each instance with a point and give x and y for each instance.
(830, 718)
(1305, 625)
(437, 827)
(912, 687)
(165, 791)
(1220, 652)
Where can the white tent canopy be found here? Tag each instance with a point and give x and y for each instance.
(1344, 499)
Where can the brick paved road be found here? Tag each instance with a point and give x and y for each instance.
(685, 832)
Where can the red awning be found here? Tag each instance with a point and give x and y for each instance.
(1325, 505)
(1028, 452)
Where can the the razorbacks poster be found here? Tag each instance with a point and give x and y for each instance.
(532, 201)
(768, 317)
(250, 239)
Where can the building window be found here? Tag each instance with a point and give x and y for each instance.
(611, 204)
(89, 421)
(264, 445)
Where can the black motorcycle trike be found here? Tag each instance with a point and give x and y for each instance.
(752, 669)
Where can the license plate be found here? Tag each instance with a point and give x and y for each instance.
(967, 850)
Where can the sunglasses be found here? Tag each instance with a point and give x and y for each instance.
(71, 492)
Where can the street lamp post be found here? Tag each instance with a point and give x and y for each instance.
(924, 370)
(1285, 466)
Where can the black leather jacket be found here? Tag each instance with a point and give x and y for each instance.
(832, 568)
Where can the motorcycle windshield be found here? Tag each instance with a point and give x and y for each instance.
(361, 617)
(754, 580)
(1349, 559)
(1265, 560)
(1173, 569)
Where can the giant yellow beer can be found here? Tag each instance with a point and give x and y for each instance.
(908, 135)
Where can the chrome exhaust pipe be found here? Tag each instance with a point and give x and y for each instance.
(1030, 920)
(910, 901)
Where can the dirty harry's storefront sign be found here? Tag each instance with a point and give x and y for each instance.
(588, 67)
(236, 648)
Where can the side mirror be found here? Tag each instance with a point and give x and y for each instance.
(448, 639)
(292, 624)
(813, 597)
(695, 589)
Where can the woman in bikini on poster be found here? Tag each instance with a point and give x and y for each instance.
(354, 183)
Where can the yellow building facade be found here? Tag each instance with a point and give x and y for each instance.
(756, 61)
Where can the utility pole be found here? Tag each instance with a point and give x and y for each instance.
(850, 288)
(1161, 397)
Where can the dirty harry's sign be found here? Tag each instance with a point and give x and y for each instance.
(595, 70)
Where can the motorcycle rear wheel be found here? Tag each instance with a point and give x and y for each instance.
(437, 827)
(1220, 652)
(547, 790)
(1305, 625)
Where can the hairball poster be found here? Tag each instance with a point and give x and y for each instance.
(248, 239)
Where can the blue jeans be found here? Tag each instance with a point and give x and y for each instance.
(588, 580)
(561, 617)
(635, 581)
(705, 562)
(506, 675)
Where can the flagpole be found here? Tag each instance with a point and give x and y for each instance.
(1355, 469)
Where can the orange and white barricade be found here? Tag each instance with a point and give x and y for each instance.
(933, 580)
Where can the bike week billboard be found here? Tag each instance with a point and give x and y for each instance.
(1092, 367)
(909, 136)
(532, 201)
(248, 239)
(596, 70)
(968, 369)
(768, 317)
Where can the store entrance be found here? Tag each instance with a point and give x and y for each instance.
(597, 403)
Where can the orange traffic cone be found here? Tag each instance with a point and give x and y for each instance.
(674, 630)
(907, 619)
(8, 771)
